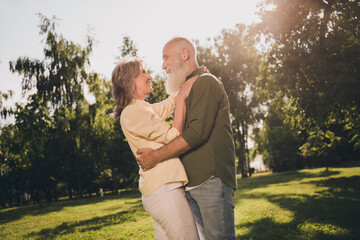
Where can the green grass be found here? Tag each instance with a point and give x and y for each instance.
(309, 204)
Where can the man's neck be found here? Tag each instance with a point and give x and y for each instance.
(193, 67)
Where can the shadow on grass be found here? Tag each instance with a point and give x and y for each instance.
(349, 164)
(276, 178)
(131, 215)
(332, 213)
(9, 215)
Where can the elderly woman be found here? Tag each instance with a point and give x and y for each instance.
(144, 126)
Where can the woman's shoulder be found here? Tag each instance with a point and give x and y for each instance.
(131, 112)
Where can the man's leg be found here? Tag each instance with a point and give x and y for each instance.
(197, 216)
(215, 203)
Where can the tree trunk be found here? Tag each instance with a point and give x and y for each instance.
(246, 148)
(79, 186)
(240, 152)
(115, 181)
(70, 191)
(55, 192)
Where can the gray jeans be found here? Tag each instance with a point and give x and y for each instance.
(213, 208)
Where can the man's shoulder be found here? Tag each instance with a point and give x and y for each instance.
(208, 76)
(207, 79)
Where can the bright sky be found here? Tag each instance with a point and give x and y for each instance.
(148, 23)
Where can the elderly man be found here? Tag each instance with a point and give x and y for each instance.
(206, 146)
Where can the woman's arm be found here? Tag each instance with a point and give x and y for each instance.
(179, 116)
(165, 108)
(180, 107)
(140, 121)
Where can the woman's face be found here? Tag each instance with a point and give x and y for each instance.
(143, 84)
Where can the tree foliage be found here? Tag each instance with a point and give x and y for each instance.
(314, 53)
(59, 78)
(313, 59)
(60, 144)
(5, 96)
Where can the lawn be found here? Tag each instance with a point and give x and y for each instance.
(308, 204)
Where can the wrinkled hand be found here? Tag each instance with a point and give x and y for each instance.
(146, 159)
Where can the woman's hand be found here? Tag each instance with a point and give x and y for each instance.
(180, 108)
(205, 69)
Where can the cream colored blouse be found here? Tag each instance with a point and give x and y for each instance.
(144, 126)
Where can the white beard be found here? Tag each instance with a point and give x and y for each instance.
(176, 76)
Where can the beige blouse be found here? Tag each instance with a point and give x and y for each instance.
(144, 126)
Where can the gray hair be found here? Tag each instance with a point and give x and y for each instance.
(123, 82)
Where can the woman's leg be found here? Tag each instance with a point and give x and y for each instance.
(172, 212)
(159, 231)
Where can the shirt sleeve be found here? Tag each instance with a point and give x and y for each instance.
(165, 108)
(204, 104)
(142, 122)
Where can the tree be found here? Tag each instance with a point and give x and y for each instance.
(12, 166)
(6, 95)
(279, 140)
(128, 48)
(314, 52)
(313, 60)
(59, 80)
(33, 123)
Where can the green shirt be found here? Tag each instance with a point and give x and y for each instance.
(208, 131)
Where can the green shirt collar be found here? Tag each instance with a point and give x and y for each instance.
(195, 72)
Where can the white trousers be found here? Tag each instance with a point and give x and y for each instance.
(171, 214)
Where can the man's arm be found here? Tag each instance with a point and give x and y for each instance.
(150, 158)
(205, 102)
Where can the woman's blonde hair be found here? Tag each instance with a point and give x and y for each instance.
(123, 82)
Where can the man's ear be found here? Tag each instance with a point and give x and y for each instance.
(185, 55)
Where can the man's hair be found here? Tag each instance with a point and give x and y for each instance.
(184, 43)
(123, 82)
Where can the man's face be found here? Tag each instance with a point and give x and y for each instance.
(169, 56)
(175, 67)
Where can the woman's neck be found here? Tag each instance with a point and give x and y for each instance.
(142, 98)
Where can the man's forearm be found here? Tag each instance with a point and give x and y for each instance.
(173, 149)
(150, 158)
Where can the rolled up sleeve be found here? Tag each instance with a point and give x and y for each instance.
(204, 103)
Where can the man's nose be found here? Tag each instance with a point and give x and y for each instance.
(164, 66)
